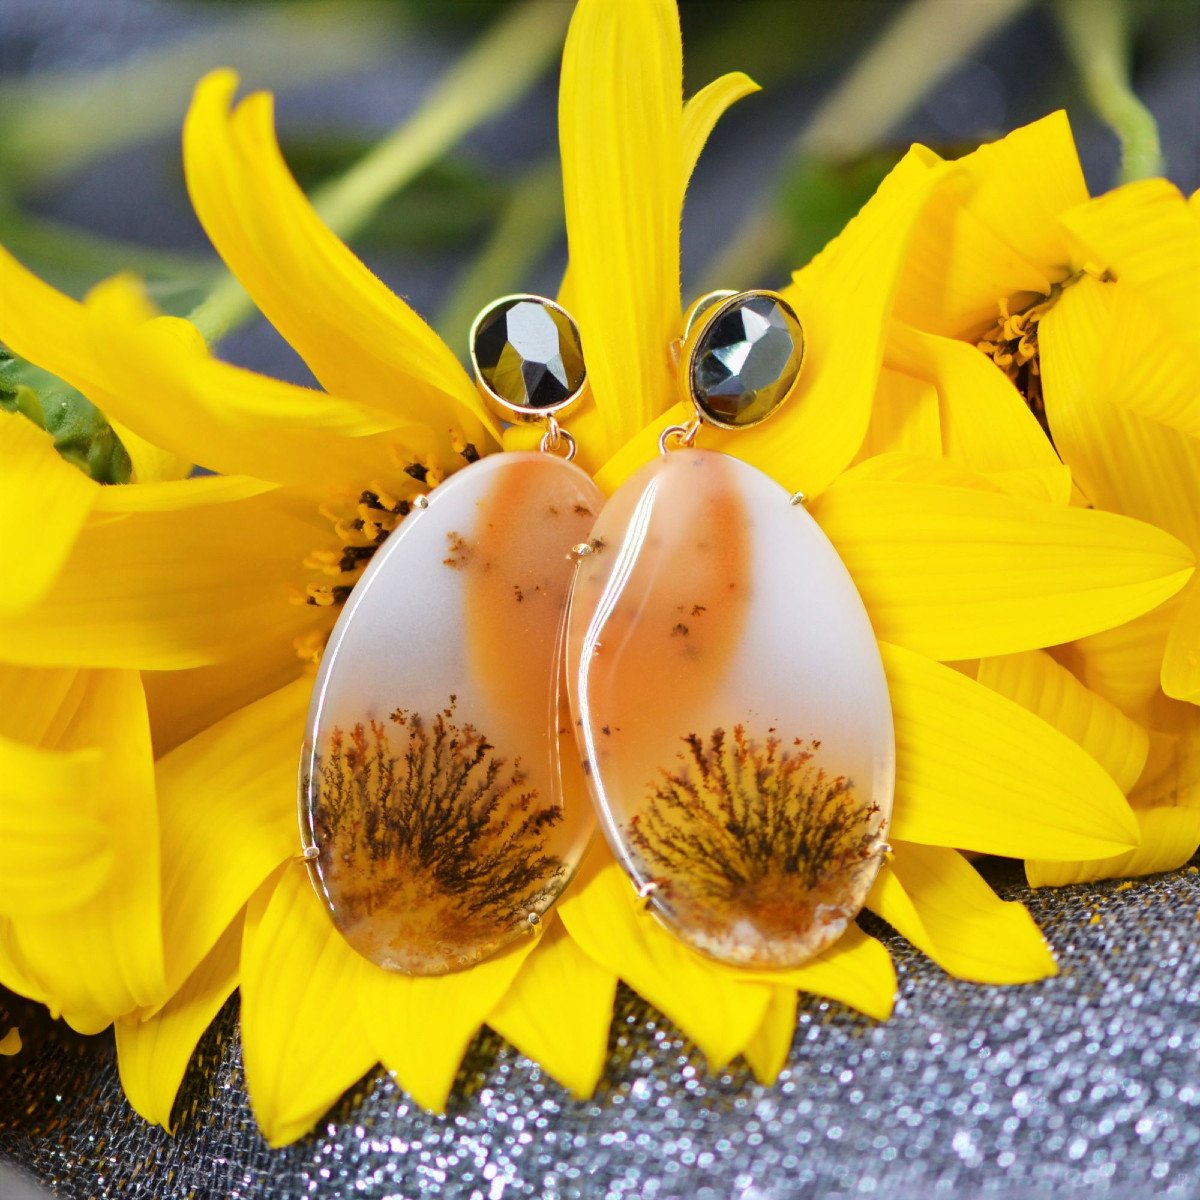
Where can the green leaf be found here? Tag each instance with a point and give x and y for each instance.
(820, 197)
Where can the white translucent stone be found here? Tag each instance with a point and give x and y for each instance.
(732, 710)
(430, 782)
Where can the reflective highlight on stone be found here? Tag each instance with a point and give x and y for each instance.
(732, 709)
(746, 360)
(529, 354)
(445, 814)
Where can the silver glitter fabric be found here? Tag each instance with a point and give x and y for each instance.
(1089, 1081)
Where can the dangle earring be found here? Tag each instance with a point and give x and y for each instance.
(727, 689)
(436, 820)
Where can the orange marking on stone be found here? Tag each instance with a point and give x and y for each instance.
(695, 552)
(524, 526)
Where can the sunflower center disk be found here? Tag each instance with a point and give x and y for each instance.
(746, 362)
(529, 354)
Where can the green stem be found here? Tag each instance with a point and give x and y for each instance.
(530, 224)
(1097, 36)
(495, 72)
(886, 84)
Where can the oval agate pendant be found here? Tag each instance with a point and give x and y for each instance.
(437, 820)
(732, 710)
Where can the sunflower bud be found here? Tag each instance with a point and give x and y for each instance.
(81, 433)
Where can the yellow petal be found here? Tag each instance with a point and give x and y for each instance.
(1126, 462)
(58, 850)
(620, 130)
(228, 803)
(1148, 237)
(176, 588)
(641, 448)
(1124, 665)
(718, 1011)
(856, 969)
(1172, 774)
(421, 1026)
(1169, 839)
(700, 115)
(10, 1043)
(105, 957)
(1036, 682)
(152, 1055)
(1143, 366)
(978, 772)
(1050, 484)
(938, 901)
(904, 418)
(768, 1050)
(843, 298)
(959, 268)
(1181, 662)
(993, 231)
(48, 699)
(15, 974)
(236, 421)
(44, 502)
(1122, 461)
(960, 573)
(360, 340)
(47, 328)
(184, 703)
(302, 1041)
(703, 110)
(55, 332)
(985, 422)
(558, 1011)
(1023, 182)
(176, 495)
(150, 463)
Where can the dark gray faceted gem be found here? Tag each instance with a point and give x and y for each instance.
(529, 354)
(746, 362)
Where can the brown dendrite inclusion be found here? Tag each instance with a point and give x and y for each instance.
(433, 850)
(753, 850)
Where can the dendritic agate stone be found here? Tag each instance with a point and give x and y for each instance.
(732, 710)
(434, 787)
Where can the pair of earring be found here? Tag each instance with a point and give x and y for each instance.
(688, 661)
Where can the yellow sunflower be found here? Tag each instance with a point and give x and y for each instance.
(1089, 309)
(952, 564)
(80, 916)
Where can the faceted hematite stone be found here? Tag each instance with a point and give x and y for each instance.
(746, 361)
(529, 354)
